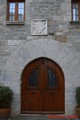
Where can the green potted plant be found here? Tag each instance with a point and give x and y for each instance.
(6, 95)
(78, 101)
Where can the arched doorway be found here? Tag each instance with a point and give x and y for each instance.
(42, 89)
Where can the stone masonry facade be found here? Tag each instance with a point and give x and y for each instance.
(61, 44)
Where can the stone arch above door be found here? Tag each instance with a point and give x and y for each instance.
(58, 52)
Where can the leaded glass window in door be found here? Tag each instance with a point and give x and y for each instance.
(52, 80)
(33, 78)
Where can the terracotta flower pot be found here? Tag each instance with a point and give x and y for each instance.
(4, 112)
(77, 109)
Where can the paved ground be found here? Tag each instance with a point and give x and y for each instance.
(42, 117)
(39, 118)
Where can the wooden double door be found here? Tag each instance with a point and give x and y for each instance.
(42, 89)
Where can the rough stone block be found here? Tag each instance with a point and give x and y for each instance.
(65, 6)
(61, 38)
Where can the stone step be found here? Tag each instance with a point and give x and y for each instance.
(39, 118)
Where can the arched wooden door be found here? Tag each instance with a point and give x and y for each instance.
(42, 89)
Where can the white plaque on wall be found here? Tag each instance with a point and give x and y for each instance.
(38, 27)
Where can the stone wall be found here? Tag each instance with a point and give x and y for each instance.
(62, 44)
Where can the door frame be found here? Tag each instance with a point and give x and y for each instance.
(36, 112)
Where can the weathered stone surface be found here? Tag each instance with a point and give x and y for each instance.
(62, 44)
(61, 38)
(66, 6)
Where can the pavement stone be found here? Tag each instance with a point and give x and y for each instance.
(38, 118)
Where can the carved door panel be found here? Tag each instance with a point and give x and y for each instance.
(42, 88)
